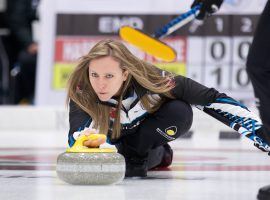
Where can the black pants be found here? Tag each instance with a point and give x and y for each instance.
(26, 82)
(173, 119)
(258, 65)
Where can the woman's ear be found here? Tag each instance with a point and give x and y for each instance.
(125, 74)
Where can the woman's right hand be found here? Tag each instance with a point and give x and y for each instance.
(92, 143)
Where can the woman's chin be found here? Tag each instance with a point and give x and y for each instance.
(104, 98)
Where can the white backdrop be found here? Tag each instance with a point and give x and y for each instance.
(47, 95)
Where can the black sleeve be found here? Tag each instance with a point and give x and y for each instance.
(193, 92)
(78, 120)
(223, 108)
(237, 116)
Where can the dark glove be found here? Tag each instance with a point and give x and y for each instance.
(208, 7)
(264, 135)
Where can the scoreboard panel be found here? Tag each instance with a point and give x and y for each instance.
(212, 53)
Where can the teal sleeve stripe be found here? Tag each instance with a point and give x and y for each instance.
(230, 101)
(71, 139)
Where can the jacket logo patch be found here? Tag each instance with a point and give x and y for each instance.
(171, 131)
(168, 133)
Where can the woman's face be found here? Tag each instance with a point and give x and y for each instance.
(106, 77)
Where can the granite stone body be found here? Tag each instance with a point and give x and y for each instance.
(91, 168)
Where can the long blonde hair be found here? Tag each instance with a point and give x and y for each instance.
(145, 74)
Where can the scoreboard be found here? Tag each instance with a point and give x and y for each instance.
(212, 52)
(220, 54)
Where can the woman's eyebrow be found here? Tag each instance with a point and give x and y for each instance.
(91, 71)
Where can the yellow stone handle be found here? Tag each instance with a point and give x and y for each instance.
(78, 147)
(83, 138)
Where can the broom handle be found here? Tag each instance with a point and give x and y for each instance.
(177, 22)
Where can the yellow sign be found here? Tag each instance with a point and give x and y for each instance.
(177, 68)
(62, 72)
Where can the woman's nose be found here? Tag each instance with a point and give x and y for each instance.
(102, 83)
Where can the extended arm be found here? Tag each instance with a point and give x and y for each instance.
(223, 108)
(238, 117)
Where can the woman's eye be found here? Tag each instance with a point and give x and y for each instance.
(109, 76)
(94, 75)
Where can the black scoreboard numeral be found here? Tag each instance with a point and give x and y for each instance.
(241, 77)
(243, 48)
(218, 73)
(217, 50)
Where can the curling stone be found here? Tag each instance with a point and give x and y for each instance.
(81, 165)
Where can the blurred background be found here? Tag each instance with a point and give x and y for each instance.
(41, 41)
